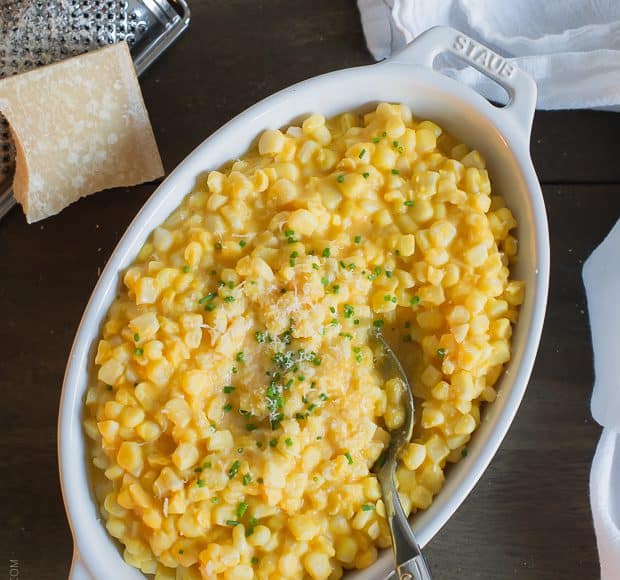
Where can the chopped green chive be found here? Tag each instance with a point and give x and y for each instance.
(365, 175)
(218, 246)
(441, 352)
(356, 322)
(349, 458)
(215, 499)
(181, 551)
(395, 172)
(273, 442)
(210, 296)
(210, 307)
(407, 338)
(229, 389)
(288, 442)
(197, 469)
(397, 252)
(242, 508)
(234, 468)
(324, 280)
(315, 266)
(207, 465)
(323, 397)
(340, 179)
(414, 301)
(186, 268)
(254, 560)
(367, 507)
(136, 337)
(252, 523)
(395, 144)
(357, 239)
(464, 452)
(362, 153)
(232, 523)
(242, 243)
(247, 479)
(229, 299)
(240, 357)
(326, 252)
(332, 309)
(251, 427)
(409, 203)
(227, 407)
(376, 139)
(260, 336)
(336, 288)
(200, 482)
(139, 351)
(348, 310)
(378, 323)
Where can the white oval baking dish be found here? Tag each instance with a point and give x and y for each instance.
(502, 136)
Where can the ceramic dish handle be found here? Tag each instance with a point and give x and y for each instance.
(520, 86)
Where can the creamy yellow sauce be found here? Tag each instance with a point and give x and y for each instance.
(235, 411)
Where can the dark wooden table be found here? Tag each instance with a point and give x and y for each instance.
(528, 517)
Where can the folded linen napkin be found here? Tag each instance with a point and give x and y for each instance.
(571, 48)
(601, 278)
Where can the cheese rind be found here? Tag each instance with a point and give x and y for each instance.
(79, 126)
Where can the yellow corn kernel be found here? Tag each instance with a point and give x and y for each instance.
(185, 455)
(197, 383)
(130, 417)
(426, 140)
(129, 457)
(432, 418)
(146, 290)
(406, 245)
(270, 142)
(148, 430)
(465, 425)
(110, 371)
(317, 565)
(303, 527)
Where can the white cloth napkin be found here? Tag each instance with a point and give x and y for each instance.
(601, 278)
(571, 47)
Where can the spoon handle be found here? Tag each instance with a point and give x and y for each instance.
(414, 569)
(410, 563)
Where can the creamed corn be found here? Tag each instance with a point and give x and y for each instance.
(235, 411)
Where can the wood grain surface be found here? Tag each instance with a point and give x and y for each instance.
(528, 517)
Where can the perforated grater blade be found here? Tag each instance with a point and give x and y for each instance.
(34, 33)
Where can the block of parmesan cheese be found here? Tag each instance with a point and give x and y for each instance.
(79, 126)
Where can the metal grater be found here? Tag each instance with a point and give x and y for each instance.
(34, 33)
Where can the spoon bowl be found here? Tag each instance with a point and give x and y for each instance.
(409, 560)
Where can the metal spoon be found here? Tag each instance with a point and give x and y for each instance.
(410, 562)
